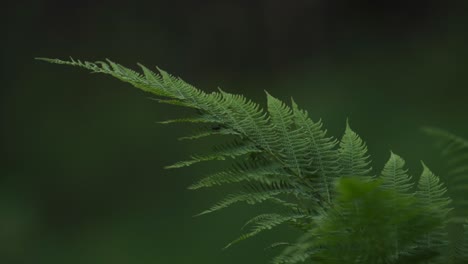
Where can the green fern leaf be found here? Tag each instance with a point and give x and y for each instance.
(454, 151)
(232, 150)
(322, 150)
(301, 251)
(354, 159)
(282, 156)
(250, 198)
(265, 222)
(395, 176)
(292, 144)
(207, 132)
(432, 192)
(261, 172)
(432, 195)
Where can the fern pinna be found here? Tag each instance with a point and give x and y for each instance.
(321, 185)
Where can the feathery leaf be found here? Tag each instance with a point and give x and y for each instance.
(354, 159)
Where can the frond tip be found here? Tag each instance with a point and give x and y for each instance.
(431, 195)
(395, 176)
(354, 158)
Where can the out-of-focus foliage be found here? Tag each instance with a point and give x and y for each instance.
(454, 154)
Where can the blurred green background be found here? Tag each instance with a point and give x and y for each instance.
(81, 179)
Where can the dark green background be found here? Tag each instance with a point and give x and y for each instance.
(81, 179)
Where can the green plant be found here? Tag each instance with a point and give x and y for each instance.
(323, 186)
(454, 153)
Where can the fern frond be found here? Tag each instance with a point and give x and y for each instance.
(354, 159)
(300, 251)
(324, 156)
(265, 222)
(232, 150)
(282, 156)
(278, 147)
(297, 255)
(152, 83)
(432, 195)
(255, 194)
(454, 151)
(172, 102)
(395, 176)
(248, 118)
(292, 143)
(261, 172)
(232, 111)
(432, 192)
(211, 131)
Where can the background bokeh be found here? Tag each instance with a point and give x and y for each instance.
(81, 178)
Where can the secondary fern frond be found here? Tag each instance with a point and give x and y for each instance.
(301, 251)
(395, 176)
(454, 152)
(292, 142)
(432, 195)
(265, 222)
(432, 192)
(210, 131)
(323, 152)
(231, 150)
(262, 172)
(256, 194)
(354, 159)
